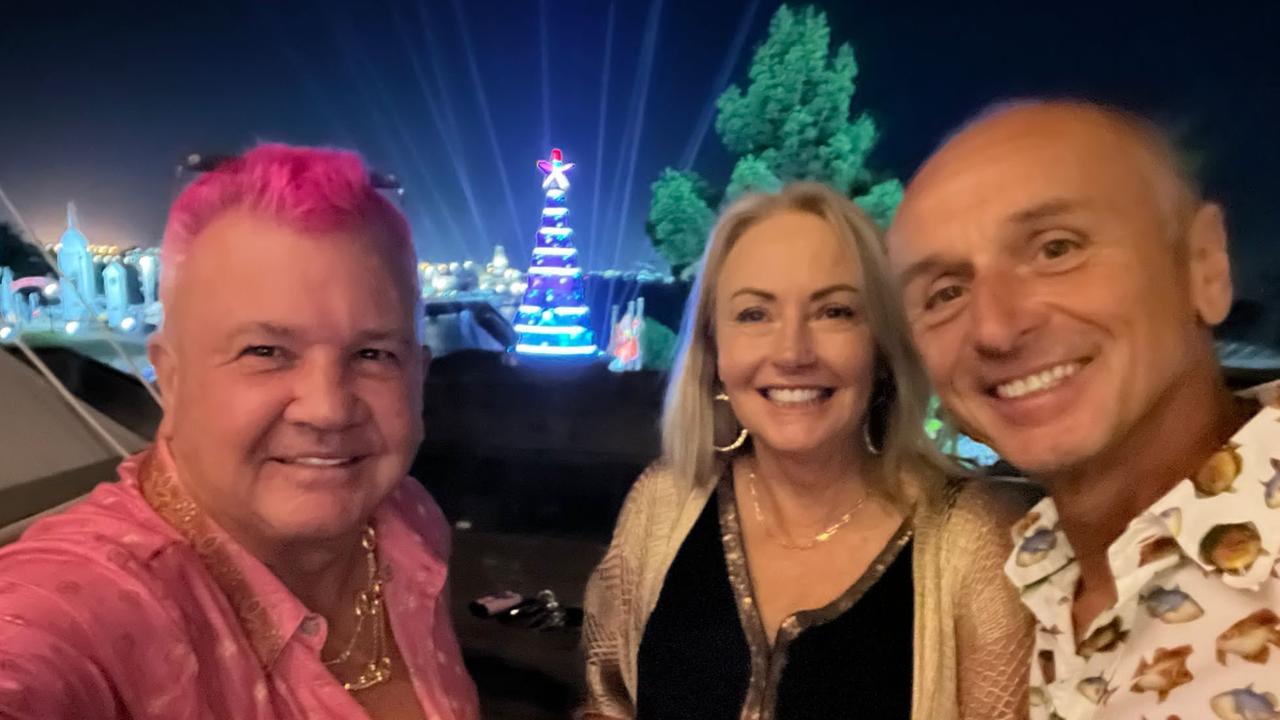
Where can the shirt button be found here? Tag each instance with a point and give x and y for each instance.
(310, 625)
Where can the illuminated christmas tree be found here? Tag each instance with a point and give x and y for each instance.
(553, 318)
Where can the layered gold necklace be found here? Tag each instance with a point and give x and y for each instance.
(371, 612)
(787, 543)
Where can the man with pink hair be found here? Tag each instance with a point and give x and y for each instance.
(267, 557)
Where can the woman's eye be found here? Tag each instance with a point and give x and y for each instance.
(837, 312)
(751, 315)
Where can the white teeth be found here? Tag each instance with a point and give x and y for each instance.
(1042, 380)
(320, 462)
(789, 396)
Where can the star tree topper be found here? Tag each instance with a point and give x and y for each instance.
(555, 170)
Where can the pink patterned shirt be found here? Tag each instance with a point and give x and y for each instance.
(132, 604)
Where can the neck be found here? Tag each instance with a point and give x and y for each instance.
(323, 575)
(1097, 499)
(806, 489)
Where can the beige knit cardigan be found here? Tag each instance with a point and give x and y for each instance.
(973, 637)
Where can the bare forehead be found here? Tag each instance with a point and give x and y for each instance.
(789, 244)
(1068, 148)
(1008, 165)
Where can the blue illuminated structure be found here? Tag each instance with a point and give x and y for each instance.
(553, 318)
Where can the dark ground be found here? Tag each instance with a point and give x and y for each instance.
(521, 674)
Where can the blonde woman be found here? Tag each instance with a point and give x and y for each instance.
(802, 551)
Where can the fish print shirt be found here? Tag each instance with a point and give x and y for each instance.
(1195, 632)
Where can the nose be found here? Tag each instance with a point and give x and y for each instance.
(794, 347)
(323, 396)
(1003, 314)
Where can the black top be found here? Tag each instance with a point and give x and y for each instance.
(850, 659)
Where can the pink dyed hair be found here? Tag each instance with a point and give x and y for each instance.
(306, 188)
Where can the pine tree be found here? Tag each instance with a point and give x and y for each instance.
(680, 219)
(553, 318)
(791, 122)
(794, 114)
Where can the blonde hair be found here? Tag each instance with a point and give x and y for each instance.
(688, 412)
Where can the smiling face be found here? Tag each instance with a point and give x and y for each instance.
(1054, 298)
(794, 352)
(291, 377)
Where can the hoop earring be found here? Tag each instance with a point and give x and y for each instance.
(866, 438)
(737, 443)
(878, 404)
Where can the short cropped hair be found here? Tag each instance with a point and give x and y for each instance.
(1180, 190)
(306, 188)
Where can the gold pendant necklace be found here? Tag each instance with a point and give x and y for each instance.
(821, 537)
(369, 606)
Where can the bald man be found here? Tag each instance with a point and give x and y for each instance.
(1062, 277)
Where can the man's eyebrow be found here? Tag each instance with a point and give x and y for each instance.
(387, 334)
(265, 328)
(1046, 209)
(925, 266)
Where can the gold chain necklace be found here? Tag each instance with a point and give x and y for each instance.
(821, 537)
(369, 605)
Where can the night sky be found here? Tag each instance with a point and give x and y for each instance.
(100, 100)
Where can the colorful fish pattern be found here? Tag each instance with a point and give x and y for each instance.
(1219, 474)
(1232, 547)
(1096, 689)
(1104, 639)
(1195, 631)
(1036, 546)
(1251, 637)
(1166, 671)
(1271, 486)
(1246, 704)
(1171, 605)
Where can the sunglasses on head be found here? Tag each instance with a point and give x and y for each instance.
(202, 163)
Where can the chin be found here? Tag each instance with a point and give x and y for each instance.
(797, 443)
(312, 516)
(1047, 450)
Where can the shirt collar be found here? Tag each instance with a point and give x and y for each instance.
(1227, 518)
(268, 612)
(1224, 519)
(1040, 548)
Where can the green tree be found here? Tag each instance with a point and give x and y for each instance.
(882, 200)
(752, 173)
(657, 345)
(793, 120)
(794, 114)
(19, 255)
(680, 219)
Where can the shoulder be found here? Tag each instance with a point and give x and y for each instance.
(655, 482)
(976, 502)
(87, 579)
(996, 502)
(110, 530)
(658, 499)
(419, 510)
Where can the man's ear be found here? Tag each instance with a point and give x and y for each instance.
(161, 353)
(1209, 265)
